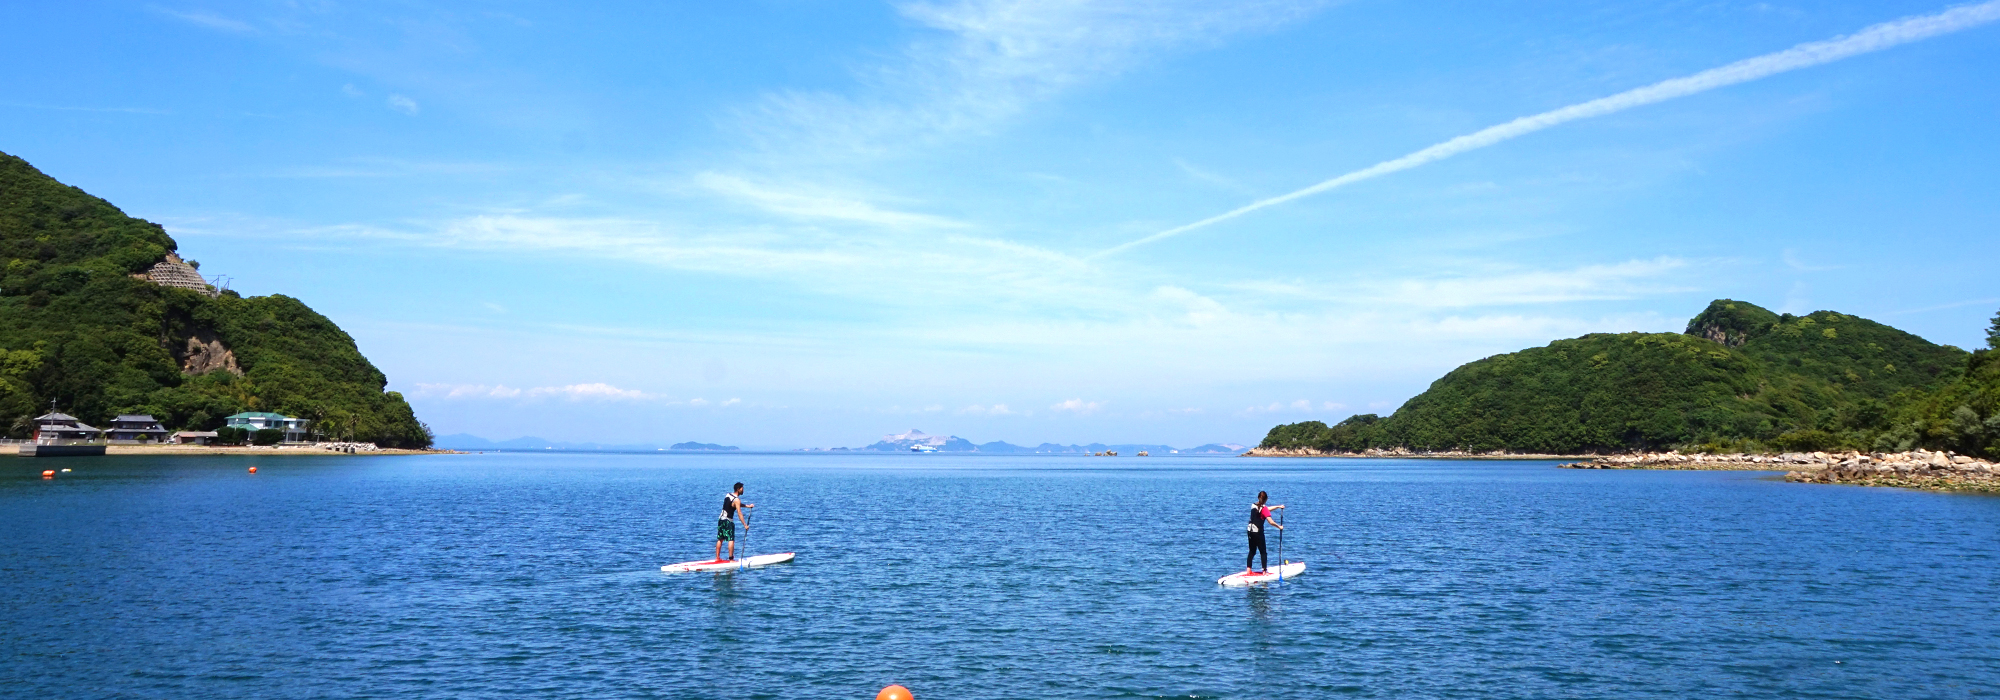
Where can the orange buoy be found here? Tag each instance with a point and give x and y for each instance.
(894, 692)
(253, 470)
(48, 473)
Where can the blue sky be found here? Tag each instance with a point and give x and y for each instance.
(800, 223)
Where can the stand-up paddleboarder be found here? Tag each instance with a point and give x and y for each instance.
(734, 507)
(1260, 516)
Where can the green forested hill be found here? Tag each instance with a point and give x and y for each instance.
(77, 328)
(1740, 377)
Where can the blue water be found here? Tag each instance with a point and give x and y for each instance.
(537, 575)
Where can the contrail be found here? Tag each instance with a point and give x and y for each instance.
(1875, 38)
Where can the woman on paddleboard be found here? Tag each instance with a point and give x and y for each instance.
(1260, 516)
(725, 531)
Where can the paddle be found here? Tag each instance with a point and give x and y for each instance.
(1281, 545)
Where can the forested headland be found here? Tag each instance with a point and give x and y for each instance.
(1740, 379)
(83, 329)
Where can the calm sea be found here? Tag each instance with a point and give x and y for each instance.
(537, 576)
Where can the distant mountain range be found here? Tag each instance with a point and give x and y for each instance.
(889, 443)
(954, 443)
(464, 441)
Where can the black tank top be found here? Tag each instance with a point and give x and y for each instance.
(728, 506)
(1257, 516)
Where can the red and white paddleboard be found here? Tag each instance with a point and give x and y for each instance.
(1287, 571)
(725, 565)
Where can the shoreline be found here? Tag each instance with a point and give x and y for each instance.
(240, 451)
(1915, 469)
(1307, 452)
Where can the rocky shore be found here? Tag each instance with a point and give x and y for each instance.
(1920, 469)
(1396, 453)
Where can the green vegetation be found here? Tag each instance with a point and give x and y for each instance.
(227, 435)
(78, 329)
(1740, 378)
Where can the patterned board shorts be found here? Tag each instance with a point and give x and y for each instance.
(725, 531)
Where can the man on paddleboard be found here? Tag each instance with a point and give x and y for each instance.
(725, 531)
(1260, 516)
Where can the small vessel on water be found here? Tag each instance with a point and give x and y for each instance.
(1285, 570)
(922, 448)
(729, 564)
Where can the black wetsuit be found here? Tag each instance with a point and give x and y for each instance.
(1257, 523)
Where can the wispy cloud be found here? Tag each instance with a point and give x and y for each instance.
(1871, 39)
(66, 108)
(1794, 261)
(817, 205)
(988, 60)
(404, 105)
(374, 167)
(210, 20)
(573, 392)
(1952, 305)
(1505, 287)
(998, 409)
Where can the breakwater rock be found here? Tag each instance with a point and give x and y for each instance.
(1921, 469)
(1676, 460)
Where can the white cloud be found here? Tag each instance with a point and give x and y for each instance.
(351, 91)
(998, 409)
(732, 402)
(403, 104)
(598, 390)
(458, 391)
(697, 402)
(1078, 406)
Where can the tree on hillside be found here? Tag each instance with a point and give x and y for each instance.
(1993, 333)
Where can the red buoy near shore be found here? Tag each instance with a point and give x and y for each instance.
(253, 470)
(894, 692)
(48, 473)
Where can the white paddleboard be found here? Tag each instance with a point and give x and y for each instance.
(1287, 571)
(725, 565)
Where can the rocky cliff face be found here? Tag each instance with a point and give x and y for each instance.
(1731, 323)
(205, 353)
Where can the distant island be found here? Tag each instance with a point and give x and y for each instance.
(918, 440)
(1741, 379)
(702, 446)
(462, 441)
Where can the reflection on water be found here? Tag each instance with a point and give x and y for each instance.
(1259, 599)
